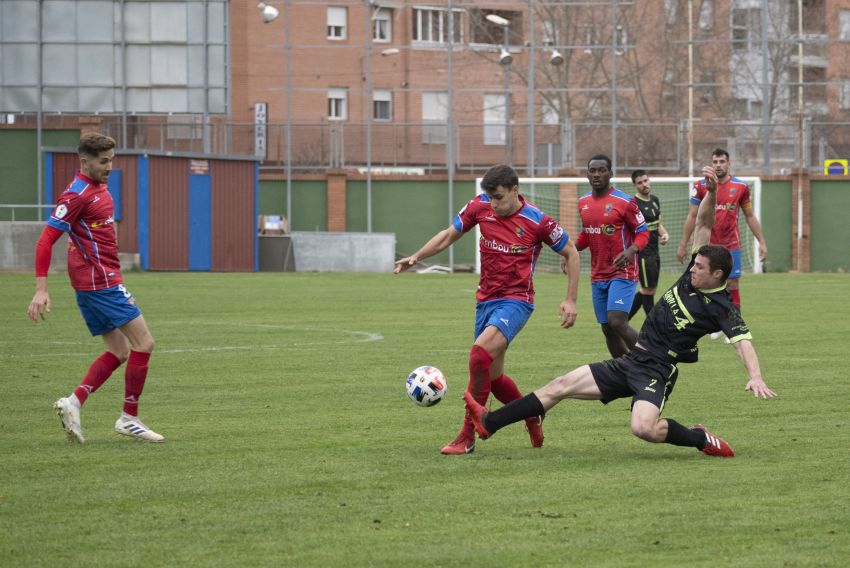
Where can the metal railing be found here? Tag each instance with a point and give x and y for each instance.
(31, 212)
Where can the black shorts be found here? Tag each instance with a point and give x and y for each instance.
(637, 375)
(650, 266)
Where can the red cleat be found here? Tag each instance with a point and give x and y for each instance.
(478, 412)
(534, 425)
(714, 446)
(463, 444)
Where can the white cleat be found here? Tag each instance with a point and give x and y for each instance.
(717, 335)
(69, 414)
(135, 428)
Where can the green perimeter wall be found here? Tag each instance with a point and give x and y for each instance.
(19, 164)
(776, 224)
(309, 203)
(830, 232)
(416, 210)
(413, 210)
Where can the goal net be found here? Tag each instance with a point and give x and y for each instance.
(558, 197)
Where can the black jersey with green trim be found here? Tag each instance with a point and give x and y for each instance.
(684, 314)
(651, 210)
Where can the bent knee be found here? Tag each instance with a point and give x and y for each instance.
(645, 431)
(121, 355)
(146, 345)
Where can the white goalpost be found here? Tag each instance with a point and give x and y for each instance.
(558, 197)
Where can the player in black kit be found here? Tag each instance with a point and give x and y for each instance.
(696, 305)
(649, 259)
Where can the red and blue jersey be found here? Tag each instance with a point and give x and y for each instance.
(509, 246)
(610, 224)
(85, 212)
(731, 196)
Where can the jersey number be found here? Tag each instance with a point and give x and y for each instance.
(681, 323)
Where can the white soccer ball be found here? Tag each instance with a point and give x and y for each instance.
(426, 385)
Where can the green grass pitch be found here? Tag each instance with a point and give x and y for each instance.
(291, 442)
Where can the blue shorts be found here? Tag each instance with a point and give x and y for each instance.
(510, 316)
(614, 295)
(736, 264)
(107, 309)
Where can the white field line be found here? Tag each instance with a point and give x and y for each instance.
(354, 336)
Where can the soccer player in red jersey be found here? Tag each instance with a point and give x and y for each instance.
(85, 211)
(513, 232)
(732, 195)
(614, 229)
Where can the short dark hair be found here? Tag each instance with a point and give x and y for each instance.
(499, 175)
(93, 143)
(720, 152)
(600, 157)
(719, 258)
(637, 173)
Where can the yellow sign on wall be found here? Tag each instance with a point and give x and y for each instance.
(834, 167)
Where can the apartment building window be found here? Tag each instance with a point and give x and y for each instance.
(336, 22)
(495, 116)
(337, 104)
(382, 104)
(550, 33)
(671, 8)
(591, 36)
(622, 38)
(706, 15)
(435, 117)
(382, 29)
(431, 25)
(746, 28)
(844, 95)
(844, 25)
(485, 32)
(550, 113)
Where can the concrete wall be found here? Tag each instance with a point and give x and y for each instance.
(343, 252)
(17, 248)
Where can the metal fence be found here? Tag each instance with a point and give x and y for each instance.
(421, 147)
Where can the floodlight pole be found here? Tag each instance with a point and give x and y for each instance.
(507, 75)
(450, 152)
(40, 114)
(287, 50)
(123, 74)
(368, 107)
(690, 88)
(765, 90)
(614, 85)
(530, 102)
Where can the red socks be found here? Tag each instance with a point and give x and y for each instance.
(479, 373)
(479, 382)
(134, 380)
(504, 389)
(736, 298)
(99, 371)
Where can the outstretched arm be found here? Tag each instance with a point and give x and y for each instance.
(705, 213)
(570, 265)
(748, 356)
(438, 243)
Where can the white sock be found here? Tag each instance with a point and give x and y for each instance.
(75, 401)
(127, 417)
